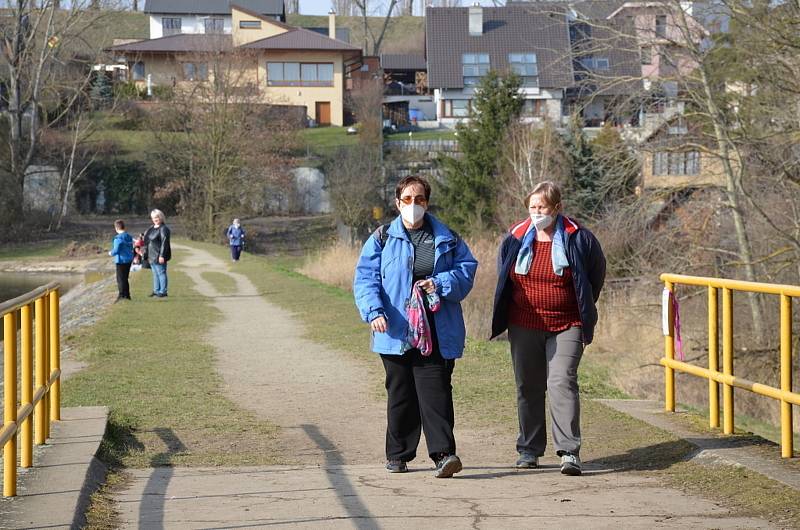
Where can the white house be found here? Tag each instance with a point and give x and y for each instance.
(174, 17)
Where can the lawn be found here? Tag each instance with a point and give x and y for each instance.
(325, 140)
(423, 134)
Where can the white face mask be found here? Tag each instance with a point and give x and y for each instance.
(412, 213)
(541, 221)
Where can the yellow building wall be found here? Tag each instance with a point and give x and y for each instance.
(711, 173)
(305, 95)
(167, 71)
(246, 35)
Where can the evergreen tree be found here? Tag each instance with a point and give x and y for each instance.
(618, 169)
(467, 195)
(586, 174)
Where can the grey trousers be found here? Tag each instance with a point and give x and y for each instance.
(546, 362)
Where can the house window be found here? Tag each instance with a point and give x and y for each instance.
(137, 71)
(647, 55)
(171, 26)
(661, 26)
(524, 65)
(455, 108)
(595, 63)
(299, 74)
(683, 163)
(214, 25)
(474, 66)
(195, 71)
(250, 24)
(534, 108)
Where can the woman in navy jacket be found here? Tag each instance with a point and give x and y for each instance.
(416, 249)
(550, 273)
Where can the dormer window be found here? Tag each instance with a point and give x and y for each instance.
(474, 66)
(525, 66)
(250, 24)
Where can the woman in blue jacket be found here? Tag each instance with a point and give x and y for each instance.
(550, 273)
(122, 251)
(416, 249)
(235, 235)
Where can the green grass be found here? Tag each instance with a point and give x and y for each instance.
(148, 363)
(325, 140)
(223, 283)
(40, 250)
(424, 134)
(401, 32)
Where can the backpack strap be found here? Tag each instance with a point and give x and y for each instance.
(381, 234)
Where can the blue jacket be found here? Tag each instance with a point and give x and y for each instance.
(123, 248)
(383, 281)
(586, 260)
(235, 235)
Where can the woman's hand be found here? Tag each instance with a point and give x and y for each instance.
(427, 285)
(378, 325)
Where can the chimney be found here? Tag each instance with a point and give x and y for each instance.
(475, 20)
(332, 24)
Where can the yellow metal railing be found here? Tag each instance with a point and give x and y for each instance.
(36, 312)
(784, 394)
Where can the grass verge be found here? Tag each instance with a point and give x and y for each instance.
(47, 249)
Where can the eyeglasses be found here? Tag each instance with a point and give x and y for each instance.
(417, 199)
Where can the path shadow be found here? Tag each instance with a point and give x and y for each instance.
(648, 458)
(156, 488)
(358, 513)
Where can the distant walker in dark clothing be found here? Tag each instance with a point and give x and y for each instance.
(122, 251)
(158, 252)
(235, 235)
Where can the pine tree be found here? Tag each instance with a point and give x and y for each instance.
(586, 174)
(467, 195)
(618, 168)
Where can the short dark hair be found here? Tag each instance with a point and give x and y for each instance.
(409, 181)
(119, 224)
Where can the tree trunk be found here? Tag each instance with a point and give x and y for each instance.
(732, 193)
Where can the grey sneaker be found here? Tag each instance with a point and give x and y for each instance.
(570, 464)
(527, 461)
(396, 466)
(447, 466)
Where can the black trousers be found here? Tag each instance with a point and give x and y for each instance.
(419, 396)
(123, 287)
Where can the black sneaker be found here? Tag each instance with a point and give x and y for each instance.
(151, 295)
(396, 466)
(447, 466)
(162, 295)
(527, 461)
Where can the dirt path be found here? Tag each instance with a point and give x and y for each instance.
(332, 433)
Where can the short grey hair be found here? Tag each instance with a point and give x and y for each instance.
(158, 213)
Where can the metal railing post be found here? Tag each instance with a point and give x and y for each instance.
(727, 359)
(46, 360)
(787, 448)
(669, 352)
(55, 356)
(26, 429)
(713, 357)
(40, 413)
(10, 402)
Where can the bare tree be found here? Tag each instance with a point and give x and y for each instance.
(365, 9)
(343, 7)
(293, 7)
(220, 145)
(46, 65)
(407, 8)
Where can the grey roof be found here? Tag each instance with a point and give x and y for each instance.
(179, 43)
(614, 41)
(596, 9)
(403, 62)
(342, 34)
(300, 39)
(540, 28)
(212, 7)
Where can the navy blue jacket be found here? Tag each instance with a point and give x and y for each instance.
(586, 260)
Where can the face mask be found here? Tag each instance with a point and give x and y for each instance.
(412, 213)
(541, 221)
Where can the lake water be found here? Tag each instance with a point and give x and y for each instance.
(13, 284)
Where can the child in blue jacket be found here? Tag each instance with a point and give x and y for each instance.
(122, 251)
